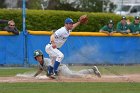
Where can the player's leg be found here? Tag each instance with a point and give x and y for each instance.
(64, 70)
(50, 67)
(59, 58)
(55, 53)
(49, 51)
(86, 71)
(93, 70)
(50, 70)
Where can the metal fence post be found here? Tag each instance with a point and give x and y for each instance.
(24, 32)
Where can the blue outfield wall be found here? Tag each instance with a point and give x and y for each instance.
(12, 49)
(102, 50)
(77, 49)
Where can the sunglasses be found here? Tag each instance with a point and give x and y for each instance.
(12, 25)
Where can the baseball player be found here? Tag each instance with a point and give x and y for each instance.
(57, 39)
(63, 70)
(135, 26)
(109, 28)
(122, 26)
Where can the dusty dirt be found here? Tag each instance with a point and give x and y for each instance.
(104, 78)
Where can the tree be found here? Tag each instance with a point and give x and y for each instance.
(66, 6)
(111, 7)
(33, 4)
(53, 4)
(59, 5)
(2, 4)
(89, 5)
(75, 5)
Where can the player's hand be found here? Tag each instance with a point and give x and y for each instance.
(135, 33)
(107, 33)
(34, 75)
(83, 19)
(111, 33)
(124, 32)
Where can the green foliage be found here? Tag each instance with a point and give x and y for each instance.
(34, 4)
(13, 71)
(66, 7)
(15, 15)
(52, 19)
(2, 4)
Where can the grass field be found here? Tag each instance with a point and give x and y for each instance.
(107, 70)
(57, 87)
(72, 87)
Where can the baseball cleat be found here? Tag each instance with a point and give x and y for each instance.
(96, 71)
(52, 77)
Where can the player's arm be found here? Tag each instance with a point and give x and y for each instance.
(76, 24)
(52, 39)
(104, 31)
(38, 72)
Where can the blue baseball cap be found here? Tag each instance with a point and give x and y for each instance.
(68, 21)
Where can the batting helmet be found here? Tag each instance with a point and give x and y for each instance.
(38, 53)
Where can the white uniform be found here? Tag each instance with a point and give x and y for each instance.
(65, 71)
(61, 36)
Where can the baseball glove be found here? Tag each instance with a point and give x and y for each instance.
(83, 19)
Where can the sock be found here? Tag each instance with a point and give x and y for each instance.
(56, 64)
(50, 70)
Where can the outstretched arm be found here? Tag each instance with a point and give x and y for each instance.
(76, 24)
(38, 72)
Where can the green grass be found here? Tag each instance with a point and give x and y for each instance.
(13, 71)
(120, 69)
(57, 87)
(105, 70)
(73, 87)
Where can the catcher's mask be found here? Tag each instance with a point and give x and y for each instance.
(38, 53)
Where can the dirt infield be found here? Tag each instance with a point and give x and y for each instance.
(104, 78)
